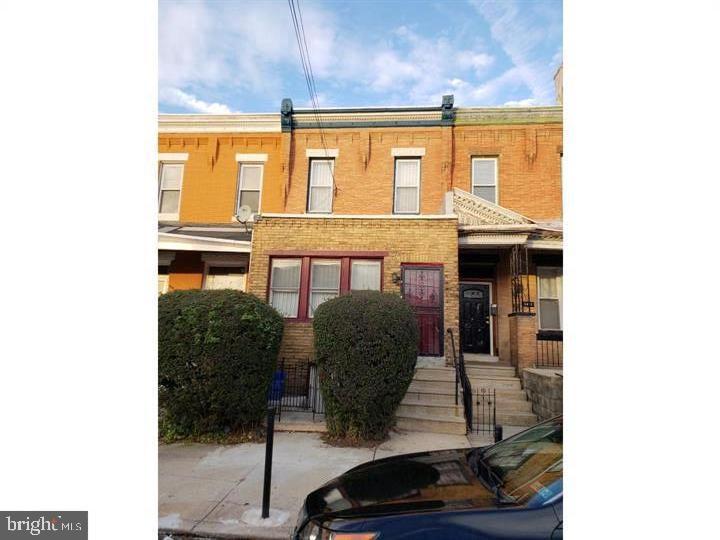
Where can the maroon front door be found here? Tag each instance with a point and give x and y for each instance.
(423, 289)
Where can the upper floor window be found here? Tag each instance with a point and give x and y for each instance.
(249, 186)
(407, 186)
(171, 176)
(320, 192)
(484, 178)
(549, 297)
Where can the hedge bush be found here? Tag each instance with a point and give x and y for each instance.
(217, 352)
(366, 345)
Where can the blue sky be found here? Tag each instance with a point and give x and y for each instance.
(241, 56)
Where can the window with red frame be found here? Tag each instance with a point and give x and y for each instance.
(298, 285)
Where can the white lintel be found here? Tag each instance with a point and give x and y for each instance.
(416, 151)
(253, 158)
(322, 152)
(172, 156)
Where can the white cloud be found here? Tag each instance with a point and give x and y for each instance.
(250, 48)
(175, 96)
(186, 52)
(524, 35)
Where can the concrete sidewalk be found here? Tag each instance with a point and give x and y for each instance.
(216, 490)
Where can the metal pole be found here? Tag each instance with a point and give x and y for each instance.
(268, 461)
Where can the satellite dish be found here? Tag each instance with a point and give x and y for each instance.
(244, 214)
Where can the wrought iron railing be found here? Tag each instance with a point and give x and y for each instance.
(549, 348)
(296, 387)
(520, 280)
(485, 411)
(462, 380)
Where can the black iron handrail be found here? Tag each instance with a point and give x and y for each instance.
(462, 379)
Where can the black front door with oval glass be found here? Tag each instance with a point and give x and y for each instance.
(475, 318)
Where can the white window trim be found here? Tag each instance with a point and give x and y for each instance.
(417, 151)
(417, 199)
(559, 298)
(168, 216)
(473, 185)
(256, 158)
(173, 156)
(332, 186)
(310, 290)
(322, 152)
(239, 186)
(299, 286)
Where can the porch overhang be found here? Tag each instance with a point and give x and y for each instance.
(207, 239)
(535, 237)
(485, 224)
(492, 240)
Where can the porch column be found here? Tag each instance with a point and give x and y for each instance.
(523, 328)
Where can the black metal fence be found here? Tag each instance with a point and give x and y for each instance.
(485, 411)
(549, 348)
(296, 387)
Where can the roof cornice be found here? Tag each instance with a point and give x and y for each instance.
(219, 123)
(359, 117)
(508, 115)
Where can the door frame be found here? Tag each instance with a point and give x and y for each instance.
(430, 266)
(492, 301)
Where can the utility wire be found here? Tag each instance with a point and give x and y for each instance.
(296, 16)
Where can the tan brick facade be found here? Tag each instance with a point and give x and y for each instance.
(522, 340)
(404, 241)
(364, 170)
(210, 175)
(529, 161)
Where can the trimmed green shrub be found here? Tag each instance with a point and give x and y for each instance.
(366, 344)
(217, 352)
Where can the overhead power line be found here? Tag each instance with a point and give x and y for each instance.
(296, 16)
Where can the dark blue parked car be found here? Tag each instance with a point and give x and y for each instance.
(510, 490)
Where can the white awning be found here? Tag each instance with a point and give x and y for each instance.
(183, 242)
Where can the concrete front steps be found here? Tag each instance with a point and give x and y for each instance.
(429, 404)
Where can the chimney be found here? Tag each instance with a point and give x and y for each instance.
(559, 85)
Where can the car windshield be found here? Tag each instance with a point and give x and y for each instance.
(526, 468)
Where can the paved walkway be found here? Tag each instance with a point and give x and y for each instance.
(213, 490)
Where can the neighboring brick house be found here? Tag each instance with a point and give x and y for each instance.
(459, 210)
(208, 166)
